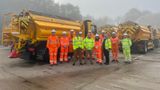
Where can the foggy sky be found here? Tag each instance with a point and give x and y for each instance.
(112, 8)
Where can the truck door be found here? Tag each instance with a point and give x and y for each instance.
(88, 25)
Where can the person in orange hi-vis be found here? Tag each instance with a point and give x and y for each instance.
(115, 47)
(98, 49)
(53, 45)
(64, 43)
(71, 36)
(102, 35)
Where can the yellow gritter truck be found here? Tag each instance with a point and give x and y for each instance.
(142, 37)
(31, 29)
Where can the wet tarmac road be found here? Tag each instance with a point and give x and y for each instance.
(143, 74)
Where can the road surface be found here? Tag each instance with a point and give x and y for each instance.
(143, 74)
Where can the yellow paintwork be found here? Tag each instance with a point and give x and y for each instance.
(35, 27)
(142, 33)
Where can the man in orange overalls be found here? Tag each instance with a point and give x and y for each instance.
(64, 41)
(102, 35)
(98, 49)
(53, 45)
(71, 36)
(115, 47)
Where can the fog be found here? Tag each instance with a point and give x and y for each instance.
(102, 12)
(48, 7)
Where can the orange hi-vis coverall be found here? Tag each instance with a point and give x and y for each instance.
(115, 48)
(70, 43)
(101, 37)
(53, 45)
(98, 51)
(64, 41)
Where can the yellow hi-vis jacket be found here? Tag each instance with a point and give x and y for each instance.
(88, 43)
(77, 43)
(108, 44)
(126, 43)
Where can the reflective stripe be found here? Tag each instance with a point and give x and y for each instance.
(100, 60)
(55, 53)
(65, 59)
(99, 53)
(55, 61)
(51, 61)
(52, 42)
(61, 59)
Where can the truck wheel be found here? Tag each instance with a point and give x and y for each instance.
(158, 43)
(46, 56)
(145, 47)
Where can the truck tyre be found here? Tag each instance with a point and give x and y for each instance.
(32, 57)
(158, 43)
(46, 56)
(145, 47)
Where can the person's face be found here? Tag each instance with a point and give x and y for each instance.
(97, 38)
(71, 32)
(125, 36)
(89, 36)
(53, 33)
(77, 34)
(114, 35)
(106, 36)
(64, 35)
(80, 33)
(103, 33)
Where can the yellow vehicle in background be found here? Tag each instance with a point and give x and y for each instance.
(109, 29)
(142, 37)
(31, 29)
(156, 34)
(8, 24)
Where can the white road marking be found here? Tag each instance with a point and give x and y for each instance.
(117, 86)
(137, 58)
(102, 88)
(80, 85)
(2, 48)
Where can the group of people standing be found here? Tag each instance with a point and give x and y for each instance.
(86, 49)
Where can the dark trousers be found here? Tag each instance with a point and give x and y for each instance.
(106, 54)
(70, 54)
(77, 55)
(88, 56)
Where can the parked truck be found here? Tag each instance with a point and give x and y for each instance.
(142, 37)
(29, 30)
(108, 29)
(156, 34)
